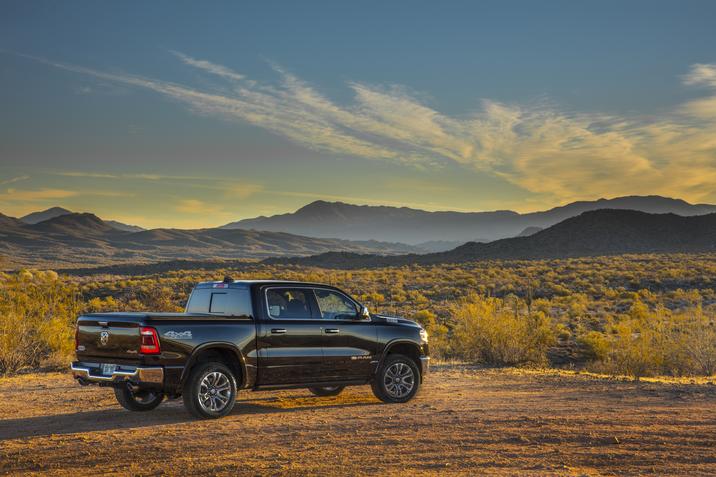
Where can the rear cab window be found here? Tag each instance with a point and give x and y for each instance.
(289, 303)
(222, 301)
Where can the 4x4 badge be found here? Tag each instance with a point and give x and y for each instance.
(178, 335)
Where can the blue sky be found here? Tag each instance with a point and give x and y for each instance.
(195, 114)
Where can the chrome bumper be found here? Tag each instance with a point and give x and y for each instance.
(424, 365)
(136, 374)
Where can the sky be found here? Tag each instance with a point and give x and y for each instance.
(195, 114)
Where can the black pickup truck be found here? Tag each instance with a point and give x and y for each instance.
(256, 335)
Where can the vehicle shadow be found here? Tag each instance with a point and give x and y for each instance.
(168, 413)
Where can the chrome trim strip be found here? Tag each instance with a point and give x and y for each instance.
(425, 364)
(141, 374)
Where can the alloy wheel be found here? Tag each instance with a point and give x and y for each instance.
(399, 380)
(214, 391)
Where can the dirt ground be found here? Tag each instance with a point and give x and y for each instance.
(463, 422)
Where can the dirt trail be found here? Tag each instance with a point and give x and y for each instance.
(464, 422)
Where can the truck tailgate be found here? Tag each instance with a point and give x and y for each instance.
(108, 336)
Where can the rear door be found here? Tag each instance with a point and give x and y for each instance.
(349, 343)
(290, 337)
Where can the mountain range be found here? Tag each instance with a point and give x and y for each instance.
(593, 233)
(83, 239)
(444, 229)
(339, 234)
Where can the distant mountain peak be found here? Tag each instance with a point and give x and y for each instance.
(54, 212)
(41, 216)
(319, 205)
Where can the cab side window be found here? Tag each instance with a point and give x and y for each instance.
(334, 305)
(291, 303)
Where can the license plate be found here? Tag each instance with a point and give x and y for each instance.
(108, 369)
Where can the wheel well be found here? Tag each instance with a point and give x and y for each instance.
(222, 355)
(406, 349)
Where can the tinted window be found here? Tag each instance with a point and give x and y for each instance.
(288, 303)
(228, 302)
(334, 305)
(219, 303)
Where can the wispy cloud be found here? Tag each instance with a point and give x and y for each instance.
(141, 176)
(228, 189)
(557, 154)
(36, 195)
(209, 67)
(14, 179)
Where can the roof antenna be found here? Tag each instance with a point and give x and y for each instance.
(228, 279)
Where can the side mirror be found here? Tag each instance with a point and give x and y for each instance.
(364, 314)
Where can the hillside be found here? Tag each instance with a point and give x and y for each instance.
(413, 226)
(86, 240)
(54, 212)
(600, 232)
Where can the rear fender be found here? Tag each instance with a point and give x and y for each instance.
(218, 345)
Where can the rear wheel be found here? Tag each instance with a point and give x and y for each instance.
(397, 380)
(210, 391)
(142, 400)
(327, 390)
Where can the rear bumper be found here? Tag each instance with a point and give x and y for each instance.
(87, 373)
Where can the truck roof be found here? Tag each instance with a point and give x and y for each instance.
(248, 283)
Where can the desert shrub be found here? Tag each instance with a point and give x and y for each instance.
(699, 341)
(437, 333)
(37, 316)
(656, 342)
(493, 331)
(595, 344)
(637, 348)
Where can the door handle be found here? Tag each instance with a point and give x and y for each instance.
(332, 331)
(278, 331)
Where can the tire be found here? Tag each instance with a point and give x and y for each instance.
(210, 391)
(139, 401)
(327, 390)
(397, 380)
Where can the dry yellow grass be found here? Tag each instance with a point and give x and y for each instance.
(465, 421)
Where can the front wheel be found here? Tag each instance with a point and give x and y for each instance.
(397, 380)
(327, 390)
(142, 400)
(210, 391)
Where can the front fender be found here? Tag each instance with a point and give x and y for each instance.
(402, 341)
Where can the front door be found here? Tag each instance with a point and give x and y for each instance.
(290, 338)
(349, 343)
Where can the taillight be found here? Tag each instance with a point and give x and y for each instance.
(77, 336)
(150, 341)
